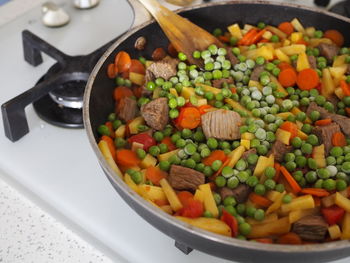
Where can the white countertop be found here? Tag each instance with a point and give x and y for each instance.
(29, 234)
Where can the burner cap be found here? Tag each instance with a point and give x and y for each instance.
(63, 106)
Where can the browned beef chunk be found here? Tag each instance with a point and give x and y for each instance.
(165, 68)
(182, 178)
(311, 228)
(342, 121)
(231, 57)
(279, 149)
(246, 153)
(325, 134)
(127, 109)
(240, 193)
(221, 124)
(155, 113)
(334, 100)
(217, 83)
(328, 50)
(256, 72)
(312, 61)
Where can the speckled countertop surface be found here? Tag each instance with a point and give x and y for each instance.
(29, 234)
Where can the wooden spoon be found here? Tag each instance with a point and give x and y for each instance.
(185, 36)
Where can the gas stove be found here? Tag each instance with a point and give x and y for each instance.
(54, 165)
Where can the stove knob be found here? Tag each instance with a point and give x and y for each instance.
(54, 16)
(322, 2)
(86, 4)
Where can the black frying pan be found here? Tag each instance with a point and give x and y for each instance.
(98, 103)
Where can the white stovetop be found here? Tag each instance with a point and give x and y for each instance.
(56, 168)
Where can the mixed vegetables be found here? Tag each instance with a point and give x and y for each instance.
(255, 145)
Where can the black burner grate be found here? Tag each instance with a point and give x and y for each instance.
(57, 97)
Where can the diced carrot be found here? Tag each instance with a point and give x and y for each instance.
(264, 240)
(289, 239)
(110, 144)
(308, 79)
(224, 39)
(110, 128)
(189, 118)
(215, 155)
(287, 77)
(290, 127)
(284, 65)
(233, 90)
(335, 36)
(246, 40)
(122, 61)
(319, 192)
(137, 67)
(137, 91)
(259, 200)
(204, 108)
(345, 87)
(338, 139)
(161, 202)
(290, 179)
(121, 92)
(127, 158)
(158, 54)
(317, 200)
(286, 27)
(111, 71)
(169, 143)
(323, 122)
(302, 42)
(277, 167)
(184, 197)
(154, 174)
(256, 38)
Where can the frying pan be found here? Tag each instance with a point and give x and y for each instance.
(98, 103)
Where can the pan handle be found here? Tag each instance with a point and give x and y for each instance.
(141, 15)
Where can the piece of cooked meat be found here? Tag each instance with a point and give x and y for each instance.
(240, 193)
(165, 68)
(312, 61)
(156, 113)
(217, 83)
(256, 72)
(328, 50)
(342, 121)
(126, 109)
(183, 178)
(221, 124)
(279, 149)
(325, 134)
(246, 153)
(231, 57)
(311, 228)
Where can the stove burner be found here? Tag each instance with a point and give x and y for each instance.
(58, 96)
(341, 8)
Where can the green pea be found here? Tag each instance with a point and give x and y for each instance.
(260, 189)
(232, 182)
(220, 181)
(336, 151)
(173, 113)
(250, 211)
(296, 142)
(301, 161)
(311, 176)
(244, 229)
(180, 143)
(200, 167)
(306, 148)
(175, 137)
(241, 209)
(287, 199)
(141, 153)
(136, 176)
(158, 136)
(216, 165)
(307, 128)
(252, 158)
(154, 150)
(190, 163)
(242, 176)
(241, 165)
(174, 159)
(212, 143)
(312, 139)
(205, 152)
(230, 200)
(291, 166)
(331, 160)
(346, 167)
(269, 184)
(315, 115)
(259, 215)
(341, 185)
(116, 124)
(207, 171)
(312, 163)
(279, 188)
(289, 157)
(320, 100)
(182, 56)
(261, 149)
(323, 173)
(252, 181)
(164, 165)
(119, 143)
(103, 130)
(163, 148)
(329, 184)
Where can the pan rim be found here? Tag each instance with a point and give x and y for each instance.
(200, 233)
